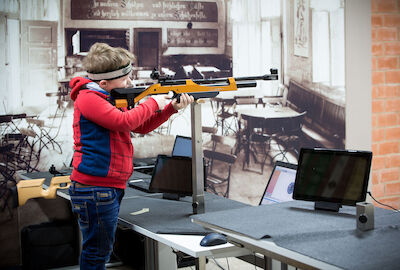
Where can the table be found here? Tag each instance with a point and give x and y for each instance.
(296, 234)
(166, 224)
(268, 112)
(176, 232)
(268, 120)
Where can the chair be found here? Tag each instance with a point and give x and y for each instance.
(5, 124)
(28, 150)
(7, 170)
(224, 112)
(207, 132)
(165, 128)
(258, 139)
(246, 100)
(273, 101)
(211, 130)
(44, 133)
(219, 167)
(224, 144)
(291, 135)
(18, 152)
(279, 99)
(243, 102)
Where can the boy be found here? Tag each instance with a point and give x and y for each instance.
(102, 161)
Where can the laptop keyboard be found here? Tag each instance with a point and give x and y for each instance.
(140, 181)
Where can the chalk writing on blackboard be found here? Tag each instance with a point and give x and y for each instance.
(144, 10)
(177, 37)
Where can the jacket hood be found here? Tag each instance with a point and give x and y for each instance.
(76, 84)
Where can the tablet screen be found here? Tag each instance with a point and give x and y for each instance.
(329, 175)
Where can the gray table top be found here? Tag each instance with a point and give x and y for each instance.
(326, 236)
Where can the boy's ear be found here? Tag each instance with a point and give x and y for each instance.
(103, 84)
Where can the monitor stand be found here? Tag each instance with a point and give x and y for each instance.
(171, 196)
(328, 206)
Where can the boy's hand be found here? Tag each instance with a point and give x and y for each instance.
(185, 100)
(162, 100)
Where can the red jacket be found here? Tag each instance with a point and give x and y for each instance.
(102, 143)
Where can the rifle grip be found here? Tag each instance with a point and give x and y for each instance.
(177, 96)
(198, 101)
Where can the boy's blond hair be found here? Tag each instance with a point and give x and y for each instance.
(104, 58)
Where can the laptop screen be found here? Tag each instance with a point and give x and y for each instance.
(172, 175)
(280, 185)
(182, 146)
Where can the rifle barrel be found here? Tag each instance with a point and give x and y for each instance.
(213, 83)
(265, 77)
(222, 80)
(246, 84)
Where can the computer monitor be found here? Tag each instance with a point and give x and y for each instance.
(332, 177)
(182, 146)
(172, 175)
(280, 184)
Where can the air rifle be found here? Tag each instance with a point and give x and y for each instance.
(33, 188)
(29, 189)
(200, 88)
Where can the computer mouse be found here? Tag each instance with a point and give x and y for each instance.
(213, 239)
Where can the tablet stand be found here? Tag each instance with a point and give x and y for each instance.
(328, 206)
(171, 196)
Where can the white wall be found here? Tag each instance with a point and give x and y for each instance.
(358, 74)
(15, 95)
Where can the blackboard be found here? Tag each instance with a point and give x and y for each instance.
(147, 10)
(178, 37)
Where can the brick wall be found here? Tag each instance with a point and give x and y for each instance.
(385, 24)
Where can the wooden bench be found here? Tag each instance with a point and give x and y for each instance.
(325, 121)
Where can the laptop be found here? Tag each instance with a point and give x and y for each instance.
(182, 148)
(172, 175)
(280, 184)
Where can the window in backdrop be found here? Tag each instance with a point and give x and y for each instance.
(328, 43)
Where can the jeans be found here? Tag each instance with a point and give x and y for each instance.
(97, 209)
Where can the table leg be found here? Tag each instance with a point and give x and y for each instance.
(158, 256)
(166, 258)
(284, 266)
(201, 263)
(268, 263)
(150, 247)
